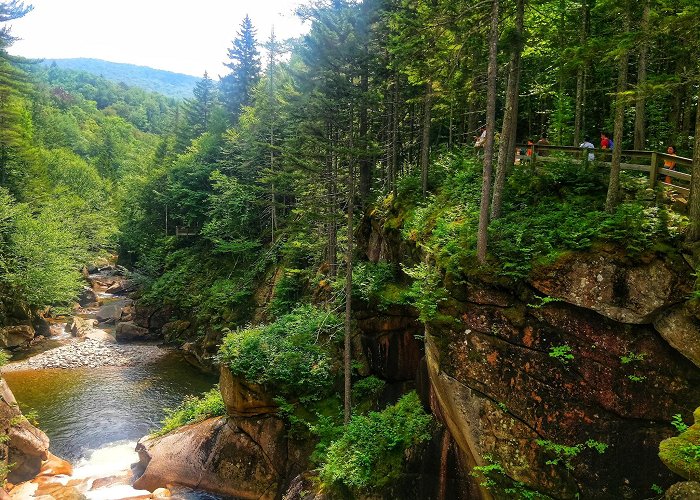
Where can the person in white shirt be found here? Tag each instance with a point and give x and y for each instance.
(587, 144)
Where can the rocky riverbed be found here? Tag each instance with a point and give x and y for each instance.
(90, 352)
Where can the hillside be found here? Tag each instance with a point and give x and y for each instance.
(165, 82)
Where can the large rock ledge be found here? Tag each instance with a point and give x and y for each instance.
(612, 285)
(26, 446)
(241, 458)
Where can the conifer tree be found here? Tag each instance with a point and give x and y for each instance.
(244, 63)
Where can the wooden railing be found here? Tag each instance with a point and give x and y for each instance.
(641, 161)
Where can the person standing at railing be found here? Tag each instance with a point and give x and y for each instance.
(543, 142)
(587, 144)
(668, 163)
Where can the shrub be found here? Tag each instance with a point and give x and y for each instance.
(4, 358)
(293, 354)
(370, 452)
(193, 409)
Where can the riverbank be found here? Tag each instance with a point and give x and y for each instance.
(90, 353)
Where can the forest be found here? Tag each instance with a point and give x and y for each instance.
(280, 173)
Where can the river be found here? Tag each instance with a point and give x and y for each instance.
(85, 409)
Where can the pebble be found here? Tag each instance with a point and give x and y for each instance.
(89, 353)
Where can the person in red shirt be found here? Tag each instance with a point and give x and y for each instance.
(604, 141)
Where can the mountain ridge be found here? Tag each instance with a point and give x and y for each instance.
(166, 82)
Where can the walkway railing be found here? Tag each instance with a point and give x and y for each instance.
(651, 162)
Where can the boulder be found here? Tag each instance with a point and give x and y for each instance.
(607, 282)
(87, 297)
(152, 317)
(677, 452)
(681, 328)
(246, 459)
(111, 312)
(174, 331)
(244, 398)
(27, 447)
(15, 336)
(120, 287)
(688, 490)
(80, 327)
(129, 332)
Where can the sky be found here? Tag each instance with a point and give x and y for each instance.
(175, 35)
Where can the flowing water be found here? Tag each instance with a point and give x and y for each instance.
(84, 409)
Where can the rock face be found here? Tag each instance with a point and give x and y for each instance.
(500, 390)
(26, 446)
(15, 336)
(243, 398)
(389, 342)
(614, 286)
(680, 327)
(244, 458)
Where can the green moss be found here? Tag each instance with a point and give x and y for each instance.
(681, 454)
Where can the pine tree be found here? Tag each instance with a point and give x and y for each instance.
(244, 63)
(198, 112)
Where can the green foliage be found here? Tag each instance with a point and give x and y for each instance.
(367, 388)
(657, 489)
(293, 354)
(370, 452)
(4, 357)
(563, 454)
(632, 357)
(495, 479)
(677, 422)
(562, 353)
(193, 409)
(690, 452)
(543, 301)
(426, 291)
(289, 291)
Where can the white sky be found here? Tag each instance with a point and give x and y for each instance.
(176, 35)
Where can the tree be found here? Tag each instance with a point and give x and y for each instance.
(198, 112)
(510, 117)
(244, 63)
(613, 196)
(482, 235)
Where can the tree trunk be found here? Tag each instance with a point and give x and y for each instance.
(347, 354)
(639, 116)
(579, 120)
(365, 162)
(510, 118)
(425, 142)
(482, 235)
(694, 201)
(613, 197)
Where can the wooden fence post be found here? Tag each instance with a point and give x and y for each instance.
(653, 171)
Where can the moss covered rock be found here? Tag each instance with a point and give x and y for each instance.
(681, 454)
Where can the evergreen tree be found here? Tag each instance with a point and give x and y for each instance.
(198, 112)
(244, 63)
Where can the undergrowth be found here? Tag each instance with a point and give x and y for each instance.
(193, 409)
(554, 209)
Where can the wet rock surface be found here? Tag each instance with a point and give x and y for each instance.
(501, 379)
(25, 446)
